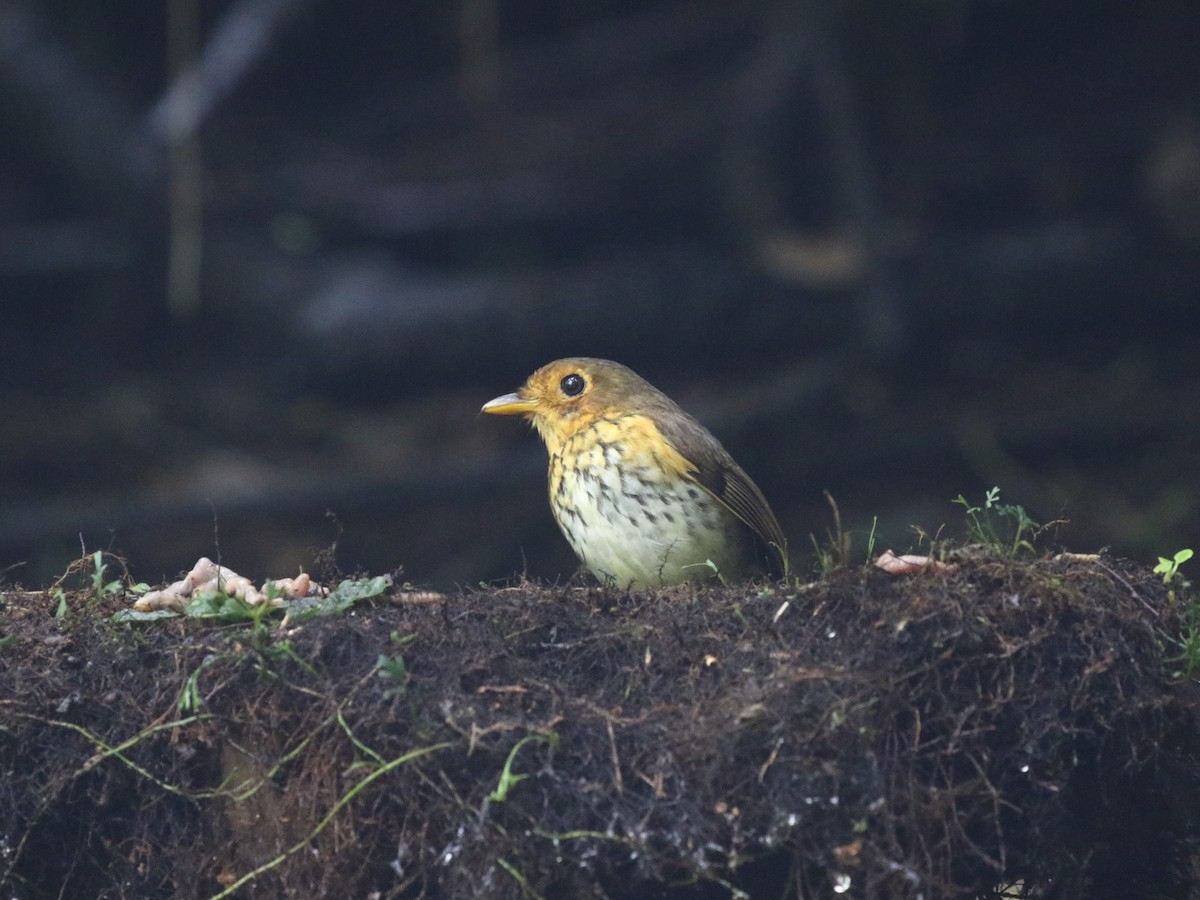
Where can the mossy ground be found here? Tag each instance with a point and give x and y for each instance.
(940, 734)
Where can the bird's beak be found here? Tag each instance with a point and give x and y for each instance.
(509, 405)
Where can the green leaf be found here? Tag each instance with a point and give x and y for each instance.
(508, 778)
(218, 605)
(392, 668)
(136, 615)
(340, 599)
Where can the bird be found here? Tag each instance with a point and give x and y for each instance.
(644, 493)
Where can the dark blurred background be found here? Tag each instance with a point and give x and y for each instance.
(261, 262)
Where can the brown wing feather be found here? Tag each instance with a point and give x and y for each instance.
(747, 502)
(716, 472)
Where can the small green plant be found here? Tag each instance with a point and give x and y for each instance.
(827, 560)
(60, 605)
(835, 552)
(260, 639)
(871, 540)
(1188, 641)
(526, 887)
(1189, 636)
(509, 779)
(1005, 526)
(787, 561)
(393, 669)
(707, 564)
(100, 588)
(93, 571)
(1169, 568)
(190, 699)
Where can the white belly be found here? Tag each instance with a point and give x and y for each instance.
(632, 528)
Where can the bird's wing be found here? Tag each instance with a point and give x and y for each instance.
(747, 502)
(716, 471)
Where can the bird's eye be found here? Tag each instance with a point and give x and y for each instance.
(572, 385)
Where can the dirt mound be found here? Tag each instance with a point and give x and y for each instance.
(932, 735)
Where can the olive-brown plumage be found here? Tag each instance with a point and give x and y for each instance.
(643, 492)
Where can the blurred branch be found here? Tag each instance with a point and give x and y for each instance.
(198, 83)
(239, 41)
(186, 195)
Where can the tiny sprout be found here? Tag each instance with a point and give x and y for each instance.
(1169, 568)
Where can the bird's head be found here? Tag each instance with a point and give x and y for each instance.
(569, 394)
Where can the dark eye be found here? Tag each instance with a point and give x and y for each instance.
(572, 385)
